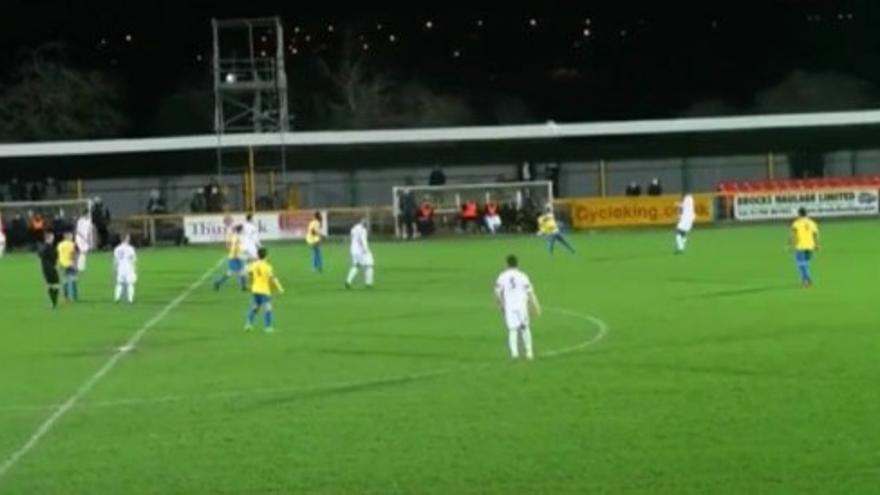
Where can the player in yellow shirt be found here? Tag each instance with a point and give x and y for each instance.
(547, 226)
(313, 239)
(235, 261)
(67, 262)
(263, 280)
(805, 240)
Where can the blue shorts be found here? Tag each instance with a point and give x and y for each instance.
(803, 256)
(261, 299)
(235, 265)
(70, 271)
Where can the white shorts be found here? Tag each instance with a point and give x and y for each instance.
(362, 259)
(249, 252)
(685, 224)
(516, 319)
(82, 246)
(493, 221)
(126, 277)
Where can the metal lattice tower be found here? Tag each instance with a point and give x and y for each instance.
(250, 82)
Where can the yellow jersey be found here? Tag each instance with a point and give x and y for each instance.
(66, 254)
(262, 276)
(313, 234)
(805, 232)
(547, 224)
(233, 243)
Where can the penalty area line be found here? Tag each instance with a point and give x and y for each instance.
(65, 407)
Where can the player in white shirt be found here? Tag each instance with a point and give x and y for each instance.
(84, 236)
(361, 256)
(125, 265)
(514, 293)
(686, 217)
(250, 239)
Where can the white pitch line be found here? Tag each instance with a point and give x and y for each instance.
(93, 380)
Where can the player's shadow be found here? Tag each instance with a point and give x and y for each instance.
(388, 353)
(744, 291)
(344, 389)
(624, 257)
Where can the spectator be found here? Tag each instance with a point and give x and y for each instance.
(470, 216)
(16, 236)
(437, 178)
(408, 213)
(633, 189)
(655, 188)
(425, 219)
(214, 196)
(36, 226)
(38, 191)
(60, 224)
(156, 204)
(198, 204)
(51, 189)
(526, 172)
(509, 215)
(491, 217)
(101, 221)
(17, 190)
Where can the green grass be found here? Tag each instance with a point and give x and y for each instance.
(719, 373)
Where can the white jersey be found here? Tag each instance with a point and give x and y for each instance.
(687, 213)
(359, 242)
(125, 263)
(360, 246)
(84, 234)
(250, 239)
(513, 288)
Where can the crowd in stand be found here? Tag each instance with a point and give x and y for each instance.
(654, 188)
(26, 227)
(422, 219)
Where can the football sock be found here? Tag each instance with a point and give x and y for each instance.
(129, 289)
(679, 242)
(251, 315)
(805, 272)
(368, 275)
(53, 296)
(565, 243)
(352, 273)
(527, 342)
(267, 318)
(117, 293)
(512, 342)
(74, 289)
(317, 260)
(220, 281)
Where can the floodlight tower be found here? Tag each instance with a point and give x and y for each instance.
(250, 82)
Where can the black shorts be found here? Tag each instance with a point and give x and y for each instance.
(51, 276)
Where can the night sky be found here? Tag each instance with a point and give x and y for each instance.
(594, 61)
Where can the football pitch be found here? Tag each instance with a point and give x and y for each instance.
(711, 372)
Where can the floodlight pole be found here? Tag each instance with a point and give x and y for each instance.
(250, 92)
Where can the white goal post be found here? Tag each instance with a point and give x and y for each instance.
(532, 196)
(17, 218)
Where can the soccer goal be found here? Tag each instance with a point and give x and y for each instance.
(25, 222)
(516, 204)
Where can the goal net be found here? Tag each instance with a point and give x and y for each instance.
(426, 210)
(24, 223)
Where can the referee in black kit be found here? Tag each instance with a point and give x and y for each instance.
(49, 260)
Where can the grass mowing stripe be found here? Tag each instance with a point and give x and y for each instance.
(47, 425)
